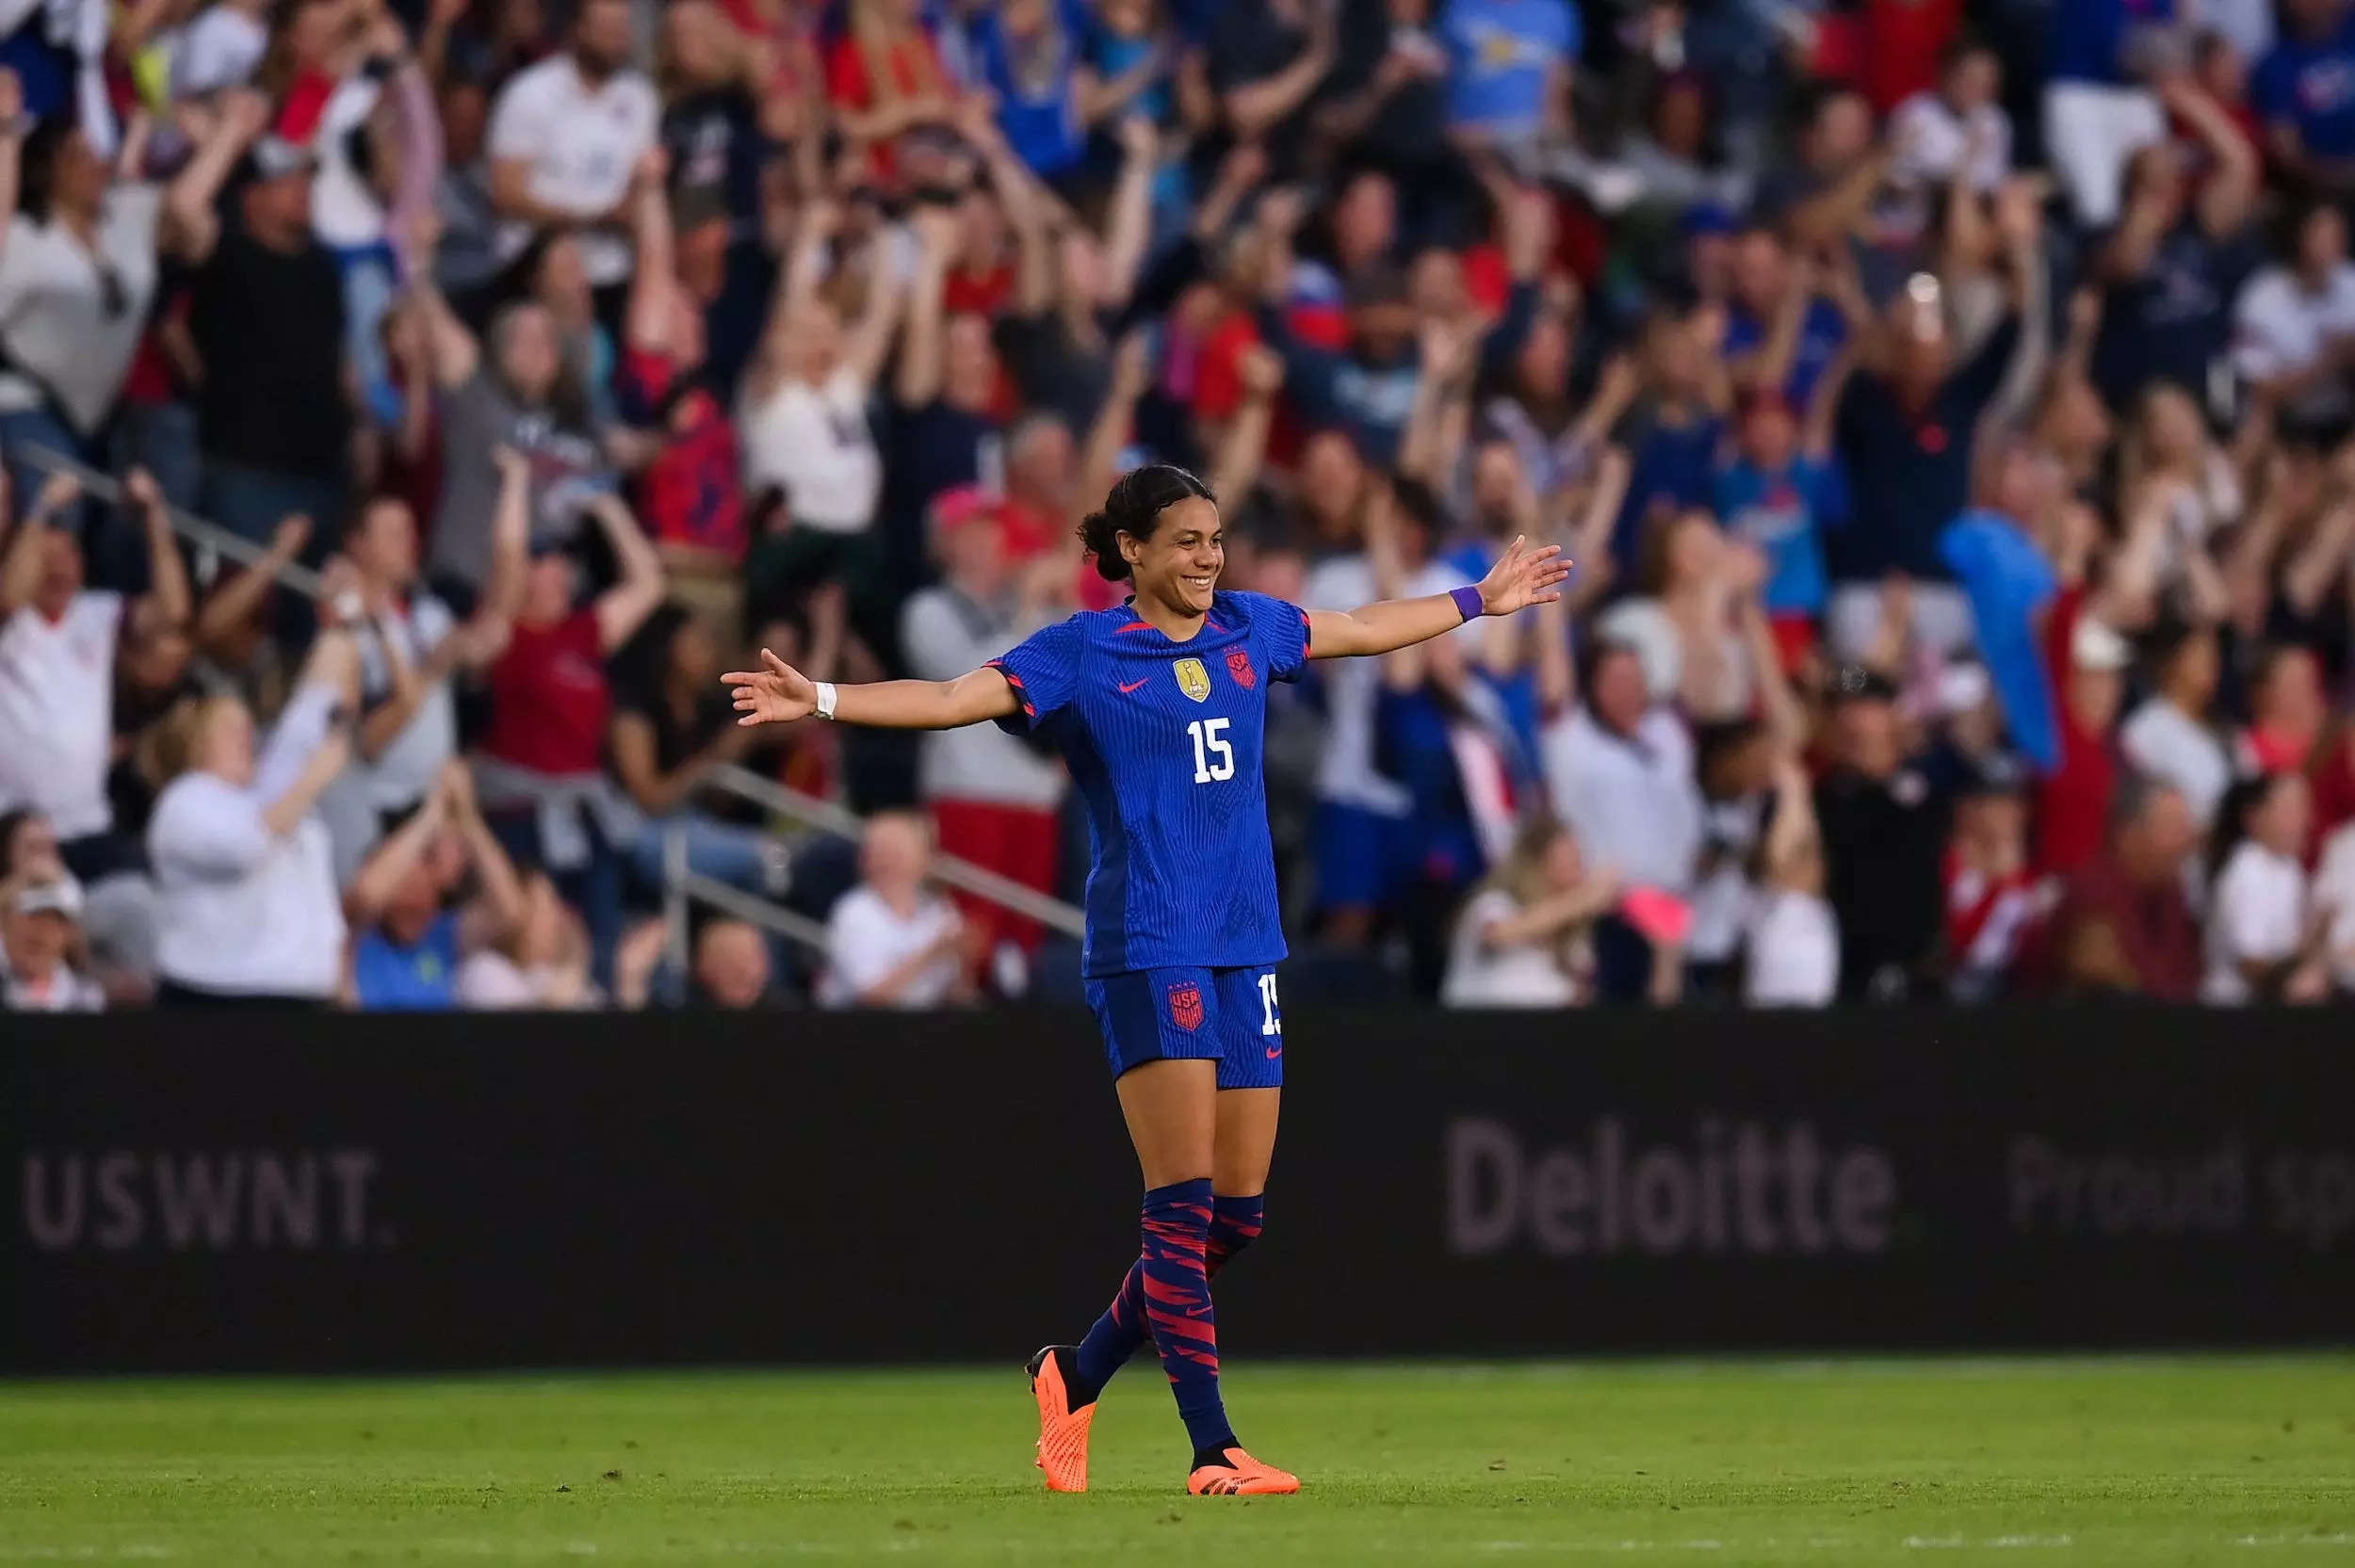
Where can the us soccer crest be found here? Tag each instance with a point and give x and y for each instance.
(1239, 666)
(1185, 1002)
(1192, 679)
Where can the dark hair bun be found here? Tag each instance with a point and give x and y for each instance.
(1134, 508)
(1102, 541)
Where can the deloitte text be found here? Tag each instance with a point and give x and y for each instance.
(223, 1201)
(1745, 1188)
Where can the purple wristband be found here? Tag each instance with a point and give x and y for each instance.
(1467, 602)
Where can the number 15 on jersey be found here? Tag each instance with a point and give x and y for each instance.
(1214, 755)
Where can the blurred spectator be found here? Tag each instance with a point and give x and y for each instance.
(28, 844)
(412, 646)
(2171, 737)
(2264, 942)
(1522, 939)
(2286, 707)
(541, 775)
(539, 963)
(2292, 323)
(1907, 426)
(993, 797)
(566, 139)
(414, 930)
(2300, 90)
(248, 911)
(2072, 801)
(39, 928)
(1792, 943)
(2334, 892)
(80, 267)
(2123, 924)
(1690, 585)
(527, 395)
(1884, 828)
(805, 429)
(58, 647)
(275, 408)
(1265, 64)
(2097, 111)
(1620, 768)
(1959, 131)
(1509, 66)
(669, 731)
(732, 968)
(2169, 266)
(892, 942)
(1780, 495)
(1995, 900)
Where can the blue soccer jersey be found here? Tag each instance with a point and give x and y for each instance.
(1165, 741)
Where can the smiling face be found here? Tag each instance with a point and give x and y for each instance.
(1179, 563)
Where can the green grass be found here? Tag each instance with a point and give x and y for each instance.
(2105, 1462)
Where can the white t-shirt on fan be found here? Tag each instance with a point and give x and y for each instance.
(2257, 915)
(814, 443)
(1793, 952)
(866, 940)
(57, 712)
(582, 142)
(1525, 975)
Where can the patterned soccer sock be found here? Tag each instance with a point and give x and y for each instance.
(1235, 1223)
(1177, 1310)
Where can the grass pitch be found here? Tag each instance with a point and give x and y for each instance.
(2127, 1462)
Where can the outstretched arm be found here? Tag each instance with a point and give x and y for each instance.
(1522, 576)
(780, 694)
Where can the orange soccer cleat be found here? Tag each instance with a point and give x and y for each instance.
(1240, 1476)
(1062, 1431)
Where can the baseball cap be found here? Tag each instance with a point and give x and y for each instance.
(58, 896)
(274, 155)
(1855, 683)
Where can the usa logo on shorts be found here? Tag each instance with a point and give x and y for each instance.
(1185, 1007)
(1239, 666)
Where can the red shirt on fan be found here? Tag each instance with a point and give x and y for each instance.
(2072, 803)
(693, 493)
(549, 698)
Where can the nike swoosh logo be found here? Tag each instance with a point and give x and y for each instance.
(1133, 686)
(1274, 1051)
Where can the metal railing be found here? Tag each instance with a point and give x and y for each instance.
(681, 881)
(825, 817)
(201, 531)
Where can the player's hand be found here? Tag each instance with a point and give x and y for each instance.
(1523, 576)
(778, 695)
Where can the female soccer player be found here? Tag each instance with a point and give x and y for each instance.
(1158, 708)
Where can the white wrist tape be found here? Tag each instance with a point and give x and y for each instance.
(825, 698)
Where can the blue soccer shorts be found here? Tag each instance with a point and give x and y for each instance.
(1230, 1016)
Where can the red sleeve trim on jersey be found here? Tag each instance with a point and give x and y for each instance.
(1014, 681)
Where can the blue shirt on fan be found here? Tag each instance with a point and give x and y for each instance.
(1165, 742)
(2309, 85)
(1785, 515)
(1500, 54)
(2088, 37)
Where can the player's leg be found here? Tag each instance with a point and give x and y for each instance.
(1243, 1146)
(1159, 1034)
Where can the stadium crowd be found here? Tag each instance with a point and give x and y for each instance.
(1949, 407)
